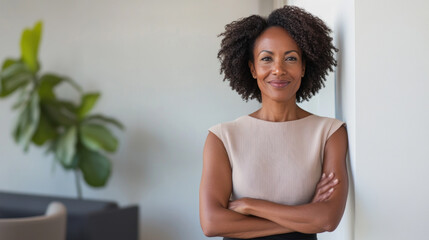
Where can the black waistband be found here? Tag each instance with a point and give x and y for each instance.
(286, 236)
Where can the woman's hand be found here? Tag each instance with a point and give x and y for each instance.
(240, 205)
(325, 188)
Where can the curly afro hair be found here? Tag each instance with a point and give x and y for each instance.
(309, 32)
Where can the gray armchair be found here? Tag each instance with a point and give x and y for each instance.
(51, 226)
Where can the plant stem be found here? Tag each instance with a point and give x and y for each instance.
(78, 186)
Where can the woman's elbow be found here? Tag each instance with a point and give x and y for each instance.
(208, 225)
(328, 224)
(208, 230)
(328, 219)
(329, 227)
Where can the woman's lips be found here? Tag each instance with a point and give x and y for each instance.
(279, 83)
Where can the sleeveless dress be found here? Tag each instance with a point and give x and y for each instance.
(279, 162)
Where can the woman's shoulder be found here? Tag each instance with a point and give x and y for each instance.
(326, 124)
(324, 119)
(327, 120)
(227, 126)
(228, 123)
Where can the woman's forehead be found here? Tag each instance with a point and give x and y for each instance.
(275, 38)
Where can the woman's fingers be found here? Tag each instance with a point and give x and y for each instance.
(325, 187)
(325, 196)
(325, 179)
(238, 205)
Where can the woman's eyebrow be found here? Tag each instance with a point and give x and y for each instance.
(265, 51)
(286, 53)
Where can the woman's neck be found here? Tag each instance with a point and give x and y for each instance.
(279, 111)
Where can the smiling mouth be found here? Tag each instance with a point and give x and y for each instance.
(279, 84)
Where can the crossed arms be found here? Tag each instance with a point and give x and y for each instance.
(249, 218)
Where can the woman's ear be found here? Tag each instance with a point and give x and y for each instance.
(252, 69)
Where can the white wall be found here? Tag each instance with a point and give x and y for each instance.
(392, 69)
(156, 66)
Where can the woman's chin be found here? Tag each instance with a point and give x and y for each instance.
(280, 98)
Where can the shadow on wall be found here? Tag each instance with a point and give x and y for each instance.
(340, 78)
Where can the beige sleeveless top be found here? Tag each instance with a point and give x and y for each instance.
(276, 161)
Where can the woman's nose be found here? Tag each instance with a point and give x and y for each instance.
(278, 69)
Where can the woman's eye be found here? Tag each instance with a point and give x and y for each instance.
(291, 59)
(266, 58)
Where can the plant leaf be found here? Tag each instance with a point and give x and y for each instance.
(87, 103)
(8, 62)
(13, 77)
(69, 106)
(74, 162)
(27, 122)
(46, 86)
(59, 111)
(22, 99)
(30, 46)
(49, 81)
(66, 147)
(44, 131)
(11, 69)
(52, 146)
(95, 167)
(96, 137)
(73, 84)
(99, 117)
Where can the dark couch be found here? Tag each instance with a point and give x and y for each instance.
(86, 219)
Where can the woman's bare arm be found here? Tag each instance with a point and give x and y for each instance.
(215, 190)
(314, 217)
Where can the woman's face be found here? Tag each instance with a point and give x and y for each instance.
(278, 65)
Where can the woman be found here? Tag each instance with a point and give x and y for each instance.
(280, 172)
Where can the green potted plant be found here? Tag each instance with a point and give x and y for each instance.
(78, 139)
